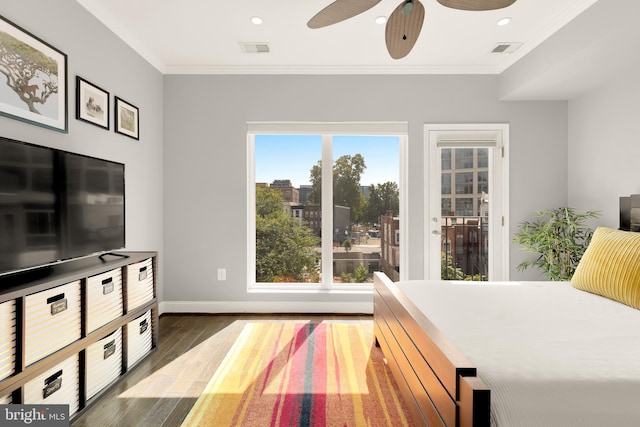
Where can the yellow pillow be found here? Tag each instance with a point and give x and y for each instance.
(611, 266)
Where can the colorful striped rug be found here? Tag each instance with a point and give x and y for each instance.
(301, 374)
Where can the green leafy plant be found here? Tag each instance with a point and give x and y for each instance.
(559, 237)
(361, 274)
(285, 247)
(346, 277)
(447, 270)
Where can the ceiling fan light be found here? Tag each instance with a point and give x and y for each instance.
(504, 21)
(256, 20)
(407, 8)
(381, 20)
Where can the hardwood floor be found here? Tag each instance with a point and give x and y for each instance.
(161, 390)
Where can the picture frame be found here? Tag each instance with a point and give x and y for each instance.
(127, 118)
(36, 91)
(92, 103)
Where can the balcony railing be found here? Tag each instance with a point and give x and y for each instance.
(465, 244)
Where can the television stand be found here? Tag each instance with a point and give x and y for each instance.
(112, 254)
(68, 336)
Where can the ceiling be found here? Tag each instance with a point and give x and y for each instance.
(205, 36)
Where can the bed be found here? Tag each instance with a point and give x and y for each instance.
(519, 353)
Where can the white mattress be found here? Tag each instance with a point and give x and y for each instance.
(552, 355)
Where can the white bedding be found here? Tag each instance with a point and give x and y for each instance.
(552, 355)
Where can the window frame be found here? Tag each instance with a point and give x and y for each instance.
(327, 130)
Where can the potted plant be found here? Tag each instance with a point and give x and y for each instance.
(559, 237)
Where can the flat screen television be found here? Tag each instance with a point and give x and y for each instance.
(56, 206)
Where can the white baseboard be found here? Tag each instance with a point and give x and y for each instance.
(264, 307)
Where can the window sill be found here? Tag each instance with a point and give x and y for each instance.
(277, 288)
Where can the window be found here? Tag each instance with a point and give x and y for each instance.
(446, 183)
(446, 206)
(464, 207)
(446, 159)
(483, 182)
(483, 157)
(464, 158)
(464, 183)
(349, 176)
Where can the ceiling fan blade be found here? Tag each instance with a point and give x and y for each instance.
(403, 28)
(340, 10)
(476, 4)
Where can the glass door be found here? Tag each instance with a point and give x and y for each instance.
(465, 214)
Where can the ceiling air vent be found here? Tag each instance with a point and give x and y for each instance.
(255, 47)
(506, 47)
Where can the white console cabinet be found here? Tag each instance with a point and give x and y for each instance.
(70, 331)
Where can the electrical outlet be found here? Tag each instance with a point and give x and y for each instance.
(222, 274)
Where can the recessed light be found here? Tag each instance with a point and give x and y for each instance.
(380, 20)
(256, 20)
(504, 21)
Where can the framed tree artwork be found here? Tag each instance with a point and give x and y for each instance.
(33, 85)
(127, 119)
(92, 103)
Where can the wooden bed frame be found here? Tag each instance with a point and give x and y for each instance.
(437, 381)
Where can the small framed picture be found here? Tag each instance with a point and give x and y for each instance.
(33, 87)
(127, 119)
(92, 103)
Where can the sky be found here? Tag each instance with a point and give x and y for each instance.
(292, 156)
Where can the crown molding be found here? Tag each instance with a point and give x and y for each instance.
(324, 70)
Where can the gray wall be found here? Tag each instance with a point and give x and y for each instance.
(100, 57)
(604, 148)
(206, 153)
(190, 204)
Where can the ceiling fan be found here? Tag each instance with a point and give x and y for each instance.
(404, 23)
